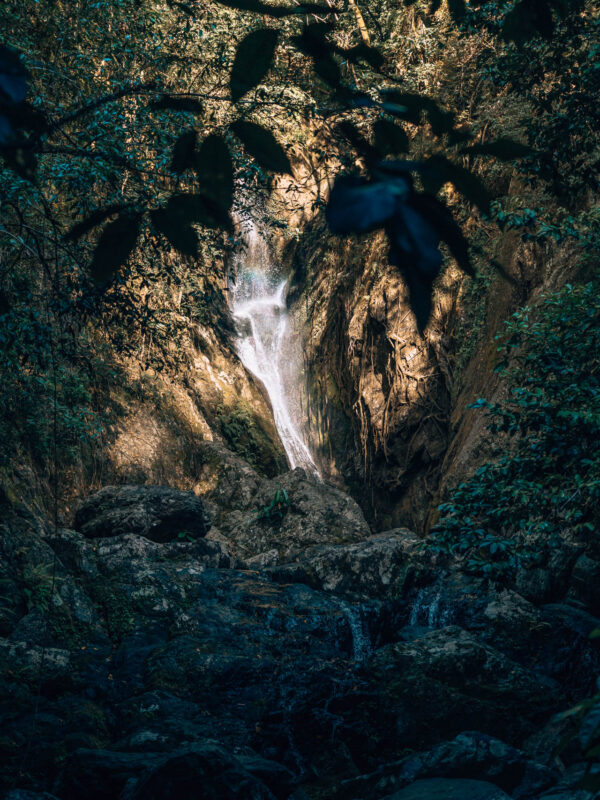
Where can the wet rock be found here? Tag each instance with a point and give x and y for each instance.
(317, 514)
(472, 755)
(384, 564)
(450, 789)
(156, 512)
(103, 774)
(26, 794)
(551, 580)
(207, 768)
(34, 661)
(585, 584)
(450, 680)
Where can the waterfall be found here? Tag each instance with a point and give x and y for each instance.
(266, 344)
(361, 642)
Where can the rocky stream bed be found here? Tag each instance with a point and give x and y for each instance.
(173, 647)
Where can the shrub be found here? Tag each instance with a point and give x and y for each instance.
(544, 476)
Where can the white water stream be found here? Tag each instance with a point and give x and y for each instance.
(266, 344)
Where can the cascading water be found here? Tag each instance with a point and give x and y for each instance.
(265, 342)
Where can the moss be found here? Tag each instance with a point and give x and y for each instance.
(115, 608)
(244, 433)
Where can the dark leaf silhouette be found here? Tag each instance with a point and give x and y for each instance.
(95, 218)
(184, 152)
(177, 230)
(187, 209)
(262, 146)
(504, 149)
(446, 227)
(173, 103)
(438, 170)
(358, 141)
(252, 61)
(13, 76)
(278, 11)
(411, 107)
(312, 42)
(415, 223)
(457, 9)
(390, 139)
(355, 205)
(215, 171)
(528, 19)
(117, 242)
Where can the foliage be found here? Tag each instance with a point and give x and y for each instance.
(276, 510)
(545, 476)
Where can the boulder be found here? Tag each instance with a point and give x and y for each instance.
(317, 514)
(450, 789)
(449, 680)
(207, 771)
(384, 564)
(159, 513)
(472, 755)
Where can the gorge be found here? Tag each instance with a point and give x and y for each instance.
(299, 503)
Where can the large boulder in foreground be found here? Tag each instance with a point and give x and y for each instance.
(157, 512)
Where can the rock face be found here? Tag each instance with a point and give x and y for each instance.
(156, 512)
(289, 658)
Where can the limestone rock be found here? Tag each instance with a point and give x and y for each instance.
(383, 564)
(317, 514)
(156, 512)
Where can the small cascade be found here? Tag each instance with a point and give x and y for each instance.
(266, 345)
(361, 642)
(428, 610)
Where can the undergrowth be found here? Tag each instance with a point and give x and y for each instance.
(543, 478)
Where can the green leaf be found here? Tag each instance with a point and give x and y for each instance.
(505, 149)
(252, 61)
(184, 152)
(262, 146)
(95, 218)
(117, 242)
(215, 171)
